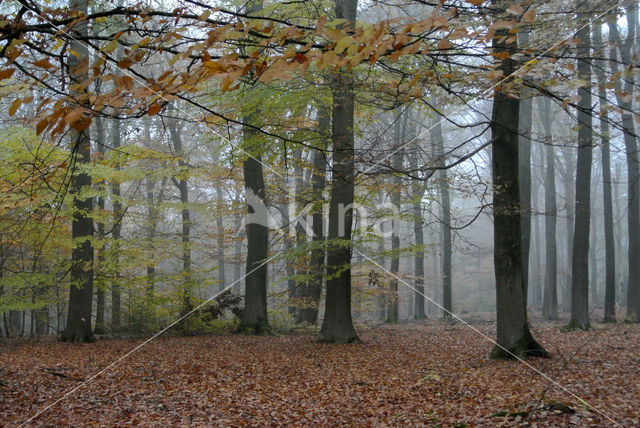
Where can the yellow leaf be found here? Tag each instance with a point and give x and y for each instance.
(41, 126)
(111, 46)
(444, 44)
(529, 15)
(154, 109)
(334, 33)
(73, 116)
(204, 15)
(6, 73)
(15, 105)
(515, 9)
(43, 63)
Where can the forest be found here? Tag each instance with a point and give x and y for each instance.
(319, 213)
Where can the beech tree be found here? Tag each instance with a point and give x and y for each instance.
(337, 325)
(78, 327)
(514, 336)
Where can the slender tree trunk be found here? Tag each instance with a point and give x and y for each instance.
(445, 204)
(524, 171)
(100, 327)
(569, 191)
(418, 231)
(220, 239)
(580, 261)
(610, 258)
(633, 165)
(185, 235)
(550, 297)
(78, 327)
(513, 335)
(337, 325)
(116, 317)
(393, 301)
(312, 291)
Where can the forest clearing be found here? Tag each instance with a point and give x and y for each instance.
(429, 374)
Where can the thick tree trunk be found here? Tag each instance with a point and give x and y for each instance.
(78, 327)
(550, 297)
(337, 325)
(633, 165)
(513, 335)
(610, 258)
(313, 289)
(580, 261)
(254, 317)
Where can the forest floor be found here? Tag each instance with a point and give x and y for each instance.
(416, 374)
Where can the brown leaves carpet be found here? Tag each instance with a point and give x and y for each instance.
(429, 374)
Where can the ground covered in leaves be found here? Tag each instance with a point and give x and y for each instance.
(428, 374)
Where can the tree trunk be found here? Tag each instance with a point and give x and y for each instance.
(78, 327)
(313, 289)
(633, 166)
(185, 234)
(610, 258)
(524, 171)
(220, 239)
(398, 156)
(254, 316)
(337, 325)
(569, 191)
(418, 231)
(116, 317)
(513, 335)
(550, 297)
(580, 261)
(100, 327)
(445, 204)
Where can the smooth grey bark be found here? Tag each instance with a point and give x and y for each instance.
(580, 260)
(445, 214)
(513, 334)
(417, 190)
(396, 163)
(220, 239)
(536, 292)
(116, 232)
(185, 235)
(100, 327)
(337, 325)
(609, 244)
(524, 169)
(550, 295)
(631, 149)
(311, 291)
(569, 192)
(152, 227)
(78, 327)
